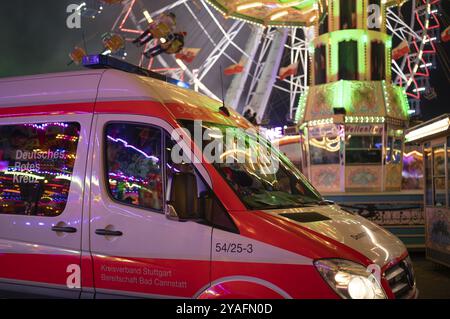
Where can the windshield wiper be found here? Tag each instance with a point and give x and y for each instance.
(320, 203)
(325, 202)
(299, 205)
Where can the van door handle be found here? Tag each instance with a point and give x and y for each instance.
(107, 232)
(64, 229)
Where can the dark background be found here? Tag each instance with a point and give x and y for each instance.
(35, 38)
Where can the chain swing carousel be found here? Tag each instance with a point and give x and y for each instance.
(353, 117)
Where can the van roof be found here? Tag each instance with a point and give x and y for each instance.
(109, 85)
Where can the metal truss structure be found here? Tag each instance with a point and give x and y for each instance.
(261, 54)
(413, 70)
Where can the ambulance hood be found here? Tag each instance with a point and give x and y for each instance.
(355, 232)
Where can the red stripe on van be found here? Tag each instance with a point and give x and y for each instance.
(169, 277)
(50, 269)
(53, 109)
(299, 281)
(147, 108)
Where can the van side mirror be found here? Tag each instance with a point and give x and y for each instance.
(182, 196)
(171, 213)
(327, 202)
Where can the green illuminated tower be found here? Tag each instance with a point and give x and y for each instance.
(352, 117)
(352, 101)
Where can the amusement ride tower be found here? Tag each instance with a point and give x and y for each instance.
(353, 117)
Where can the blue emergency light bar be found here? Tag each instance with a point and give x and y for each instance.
(101, 61)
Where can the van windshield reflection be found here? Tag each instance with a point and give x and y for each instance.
(260, 175)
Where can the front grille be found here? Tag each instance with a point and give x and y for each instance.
(401, 279)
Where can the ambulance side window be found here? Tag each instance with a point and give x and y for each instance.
(133, 164)
(206, 204)
(36, 166)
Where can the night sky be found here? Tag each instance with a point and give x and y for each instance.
(35, 39)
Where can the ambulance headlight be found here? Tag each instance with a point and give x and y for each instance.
(350, 280)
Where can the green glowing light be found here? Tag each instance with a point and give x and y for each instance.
(300, 114)
(389, 42)
(302, 5)
(364, 119)
(342, 97)
(362, 37)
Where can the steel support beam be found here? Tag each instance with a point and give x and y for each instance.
(236, 88)
(269, 74)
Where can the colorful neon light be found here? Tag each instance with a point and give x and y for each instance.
(126, 145)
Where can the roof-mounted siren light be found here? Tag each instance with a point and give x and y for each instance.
(100, 61)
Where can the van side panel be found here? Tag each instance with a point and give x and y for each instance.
(52, 89)
(32, 252)
(244, 262)
(153, 256)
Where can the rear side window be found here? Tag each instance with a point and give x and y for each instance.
(36, 167)
(133, 164)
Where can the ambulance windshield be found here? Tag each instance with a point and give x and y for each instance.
(261, 176)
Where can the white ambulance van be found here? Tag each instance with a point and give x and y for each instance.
(92, 204)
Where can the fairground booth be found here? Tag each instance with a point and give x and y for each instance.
(433, 138)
